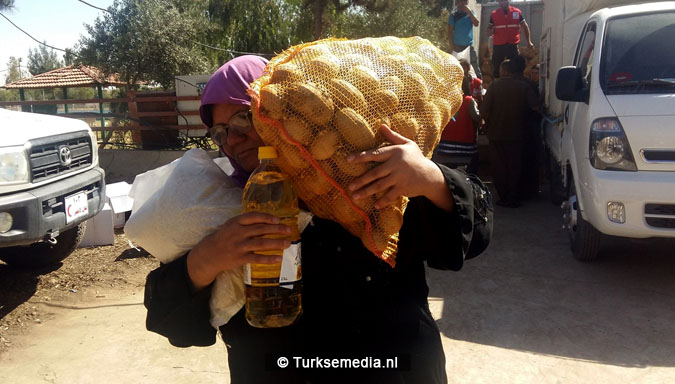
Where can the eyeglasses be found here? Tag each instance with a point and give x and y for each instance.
(240, 123)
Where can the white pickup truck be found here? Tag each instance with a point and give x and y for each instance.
(50, 183)
(610, 125)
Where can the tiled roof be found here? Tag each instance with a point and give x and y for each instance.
(70, 76)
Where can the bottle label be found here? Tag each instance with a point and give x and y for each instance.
(247, 274)
(291, 270)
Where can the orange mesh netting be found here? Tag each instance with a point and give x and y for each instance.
(321, 101)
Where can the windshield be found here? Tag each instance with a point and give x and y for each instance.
(638, 54)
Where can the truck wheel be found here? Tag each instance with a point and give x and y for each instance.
(585, 240)
(556, 189)
(43, 253)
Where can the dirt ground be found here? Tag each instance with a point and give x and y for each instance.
(523, 312)
(106, 272)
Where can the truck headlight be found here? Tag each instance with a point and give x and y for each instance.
(608, 146)
(13, 165)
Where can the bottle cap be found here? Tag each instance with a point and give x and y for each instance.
(267, 153)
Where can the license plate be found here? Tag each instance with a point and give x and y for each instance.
(76, 206)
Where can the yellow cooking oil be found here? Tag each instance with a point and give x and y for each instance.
(273, 291)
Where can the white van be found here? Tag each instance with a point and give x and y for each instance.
(50, 184)
(615, 140)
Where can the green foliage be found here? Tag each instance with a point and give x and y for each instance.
(6, 4)
(154, 40)
(402, 18)
(144, 40)
(80, 93)
(42, 60)
(9, 94)
(13, 70)
(263, 26)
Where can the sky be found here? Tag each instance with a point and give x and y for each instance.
(57, 22)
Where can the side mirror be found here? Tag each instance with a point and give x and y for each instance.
(569, 85)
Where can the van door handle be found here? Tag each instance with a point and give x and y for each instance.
(567, 113)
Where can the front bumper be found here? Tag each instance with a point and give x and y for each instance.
(39, 212)
(640, 192)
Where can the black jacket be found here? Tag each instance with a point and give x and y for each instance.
(354, 304)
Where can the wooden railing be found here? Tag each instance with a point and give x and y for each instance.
(137, 117)
(150, 116)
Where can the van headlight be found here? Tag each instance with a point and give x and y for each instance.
(609, 148)
(13, 165)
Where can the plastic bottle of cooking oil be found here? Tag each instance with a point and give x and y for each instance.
(273, 291)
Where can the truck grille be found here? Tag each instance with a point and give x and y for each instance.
(660, 215)
(47, 162)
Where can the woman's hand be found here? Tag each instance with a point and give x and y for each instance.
(233, 244)
(404, 170)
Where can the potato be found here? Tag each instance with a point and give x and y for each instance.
(364, 78)
(405, 125)
(384, 101)
(354, 129)
(286, 72)
(322, 69)
(345, 94)
(298, 129)
(310, 101)
(272, 103)
(324, 145)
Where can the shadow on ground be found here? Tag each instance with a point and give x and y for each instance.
(18, 285)
(528, 293)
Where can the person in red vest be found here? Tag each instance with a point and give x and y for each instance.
(505, 25)
(458, 147)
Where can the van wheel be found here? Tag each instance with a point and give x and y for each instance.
(43, 253)
(585, 240)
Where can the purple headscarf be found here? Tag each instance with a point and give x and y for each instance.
(228, 85)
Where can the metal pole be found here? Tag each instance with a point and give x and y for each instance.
(100, 108)
(22, 96)
(65, 97)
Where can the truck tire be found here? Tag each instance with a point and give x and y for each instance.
(585, 240)
(43, 253)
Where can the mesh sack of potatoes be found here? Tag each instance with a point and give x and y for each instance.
(319, 102)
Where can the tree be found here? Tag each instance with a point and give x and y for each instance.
(324, 11)
(401, 18)
(42, 60)
(13, 69)
(144, 40)
(6, 4)
(277, 25)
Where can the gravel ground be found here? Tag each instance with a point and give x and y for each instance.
(97, 272)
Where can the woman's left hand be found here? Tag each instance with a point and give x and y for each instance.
(403, 170)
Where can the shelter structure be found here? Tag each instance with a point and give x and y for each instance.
(66, 77)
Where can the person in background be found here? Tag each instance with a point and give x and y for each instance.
(458, 147)
(506, 108)
(532, 145)
(460, 33)
(505, 25)
(354, 304)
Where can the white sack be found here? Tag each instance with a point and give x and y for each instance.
(176, 206)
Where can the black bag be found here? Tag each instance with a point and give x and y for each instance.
(483, 215)
(473, 205)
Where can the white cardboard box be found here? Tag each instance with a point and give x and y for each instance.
(120, 202)
(99, 229)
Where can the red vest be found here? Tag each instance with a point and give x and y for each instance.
(506, 27)
(461, 130)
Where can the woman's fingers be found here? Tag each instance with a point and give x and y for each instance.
(368, 182)
(254, 258)
(256, 218)
(387, 199)
(265, 244)
(256, 230)
(392, 136)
